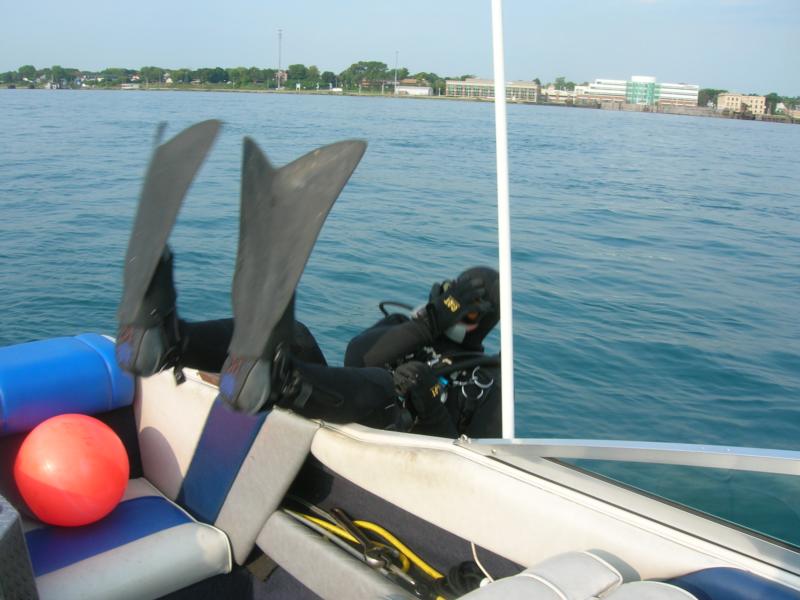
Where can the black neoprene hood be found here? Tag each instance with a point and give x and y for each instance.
(491, 278)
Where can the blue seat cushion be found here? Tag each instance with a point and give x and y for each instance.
(224, 443)
(145, 548)
(723, 583)
(53, 548)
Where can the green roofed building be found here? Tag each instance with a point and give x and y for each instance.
(642, 90)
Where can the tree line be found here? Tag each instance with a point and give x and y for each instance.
(363, 74)
(368, 75)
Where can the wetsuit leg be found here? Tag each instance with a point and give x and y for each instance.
(205, 344)
(305, 347)
(346, 395)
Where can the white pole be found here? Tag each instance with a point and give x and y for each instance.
(503, 222)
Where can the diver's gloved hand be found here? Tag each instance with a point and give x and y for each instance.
(417, 384)
(152, 342)
(451, 301)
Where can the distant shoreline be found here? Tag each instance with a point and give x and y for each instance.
(668, 110)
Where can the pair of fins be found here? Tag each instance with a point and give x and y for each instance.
(282, 212)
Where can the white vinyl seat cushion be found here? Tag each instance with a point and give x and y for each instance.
(228, 469)
(147, 547)
(574, 576)
(650, 590)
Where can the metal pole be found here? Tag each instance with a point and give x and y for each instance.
(503, 222)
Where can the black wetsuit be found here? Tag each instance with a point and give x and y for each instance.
(338, 394)
(472, 405)
(363, 391)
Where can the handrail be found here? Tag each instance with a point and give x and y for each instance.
(783, 462)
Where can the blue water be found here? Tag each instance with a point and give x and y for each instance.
(656, 257)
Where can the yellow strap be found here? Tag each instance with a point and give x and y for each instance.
(343, 533)
(421, 564)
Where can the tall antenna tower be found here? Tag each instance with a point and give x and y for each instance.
(280, 42)
(396, 55)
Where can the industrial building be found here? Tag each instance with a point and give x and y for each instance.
(516, 91)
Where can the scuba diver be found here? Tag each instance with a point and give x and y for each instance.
(426, 373)
(264, 356)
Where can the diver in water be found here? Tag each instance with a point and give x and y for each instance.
(437, 358)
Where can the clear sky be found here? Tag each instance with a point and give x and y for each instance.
(748, 46)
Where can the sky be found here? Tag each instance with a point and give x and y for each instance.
(748, 46)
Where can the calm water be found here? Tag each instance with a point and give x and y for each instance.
(656, 258)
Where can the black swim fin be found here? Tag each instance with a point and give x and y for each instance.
(147, 318)
(282, 212)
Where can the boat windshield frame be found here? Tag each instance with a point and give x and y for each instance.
(544, 458)
(759, 460)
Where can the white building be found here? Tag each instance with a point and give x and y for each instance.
(641, 89)
(604, 90)
(678, 94)
(413, 90)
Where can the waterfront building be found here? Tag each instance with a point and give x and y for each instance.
(640, 89)
(413, 90)
(516, 91)
(604, 90)
(739, 103)
(555, 96)
(581, 90)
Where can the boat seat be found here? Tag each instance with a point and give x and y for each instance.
(212, 476)
(226, 468)
(145, 547)
(575, 576)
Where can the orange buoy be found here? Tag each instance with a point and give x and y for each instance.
(71, 470)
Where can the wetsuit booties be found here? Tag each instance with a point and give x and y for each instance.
(253, 384)
(151, 341)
